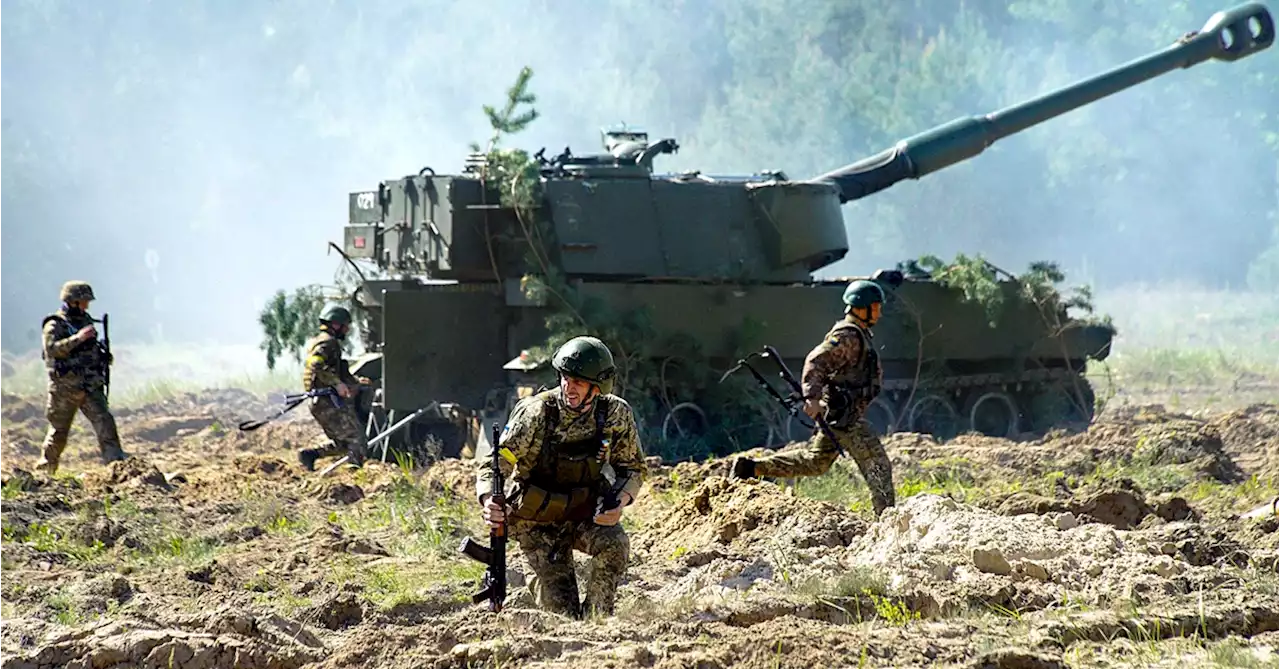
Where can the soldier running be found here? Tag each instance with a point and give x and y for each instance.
(842, 375)
(77, 367)
(325, 368)
(563, 442)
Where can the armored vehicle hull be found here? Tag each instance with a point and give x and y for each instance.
(451, 340)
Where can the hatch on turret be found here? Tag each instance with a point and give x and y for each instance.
(624, 143)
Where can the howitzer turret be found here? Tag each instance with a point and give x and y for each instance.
(706, 253)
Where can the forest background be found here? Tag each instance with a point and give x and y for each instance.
(192, 158)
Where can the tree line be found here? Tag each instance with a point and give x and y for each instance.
(224, 141)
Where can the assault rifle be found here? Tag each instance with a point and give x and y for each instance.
(793, 400)
(291, 402)
(104, 346)
(609, 500)
(494, 583)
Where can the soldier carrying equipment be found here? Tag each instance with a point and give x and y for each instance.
(842, 376)
(575, 463)
(79, 367)
(324, 368)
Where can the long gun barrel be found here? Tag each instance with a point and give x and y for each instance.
(1228, 35)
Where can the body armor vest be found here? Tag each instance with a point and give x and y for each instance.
(309, 365)
(85, 360)
(853, 388)
(565, 482)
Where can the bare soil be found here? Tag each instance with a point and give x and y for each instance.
(1148, 540)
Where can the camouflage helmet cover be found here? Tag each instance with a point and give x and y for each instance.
(76, 290)
(334, 313)
(863, 293)
(586, 358)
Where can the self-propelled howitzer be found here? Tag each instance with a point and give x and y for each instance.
(705, 254)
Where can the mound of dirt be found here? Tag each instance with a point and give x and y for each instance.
(1249, 437)
(747, 515)
(119, 644)
(964, 554)
(20, 409)
(456, 476)
(1178, 442)
(725, 539)
(131, 473)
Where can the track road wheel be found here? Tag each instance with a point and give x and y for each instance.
(881, 415)
(1062, 404)
(991, 412)
(935, 414)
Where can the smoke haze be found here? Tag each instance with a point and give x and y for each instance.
(189, 159)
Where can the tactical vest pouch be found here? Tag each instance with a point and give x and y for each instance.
(543, 506)
(81, 357)
(840, 409)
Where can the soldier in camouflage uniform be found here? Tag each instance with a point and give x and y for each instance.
(563, 445)
(325, 368)
(77, 366)
(842, 375)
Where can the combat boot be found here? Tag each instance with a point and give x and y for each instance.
(307, 458)
(49, 458)
(743, 468)
(113, 454)
(47, 466)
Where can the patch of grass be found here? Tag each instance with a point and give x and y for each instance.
(186, 549)
(862, 580)
(46, 539)
(421, 531)
(422, 525)
(275, 515)
(1173, 652)
(953, 477)
(1151, 478)
(119, 506)
(1180, 368)
(644, 609)
(64, 609)
(1243, 496)
(13, 488)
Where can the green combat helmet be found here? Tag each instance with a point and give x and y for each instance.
(335, 314)
(76, 290)
(863, 293)
(586, 358)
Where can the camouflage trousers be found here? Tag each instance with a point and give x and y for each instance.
(548, 547)
(815, 458)
(61, 405)
(342, 427)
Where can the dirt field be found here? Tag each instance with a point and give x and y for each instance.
(1150, 540)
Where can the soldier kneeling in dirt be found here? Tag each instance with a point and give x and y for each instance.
(325, 368)
(564, 442)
